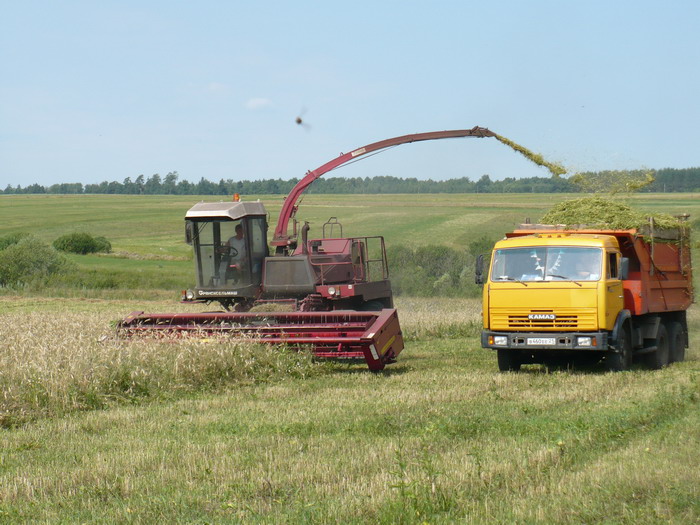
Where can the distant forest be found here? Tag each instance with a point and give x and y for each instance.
(665, 180)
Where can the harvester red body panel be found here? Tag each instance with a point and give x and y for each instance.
(373, 336)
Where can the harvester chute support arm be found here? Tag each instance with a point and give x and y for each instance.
(289, 207)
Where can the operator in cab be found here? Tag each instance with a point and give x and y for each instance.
(234, 251)
(236, 245)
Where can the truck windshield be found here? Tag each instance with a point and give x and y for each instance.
(551, 263)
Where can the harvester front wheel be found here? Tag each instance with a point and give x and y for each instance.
(508, 360)
(371, 306)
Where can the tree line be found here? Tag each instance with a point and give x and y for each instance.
(670, 180)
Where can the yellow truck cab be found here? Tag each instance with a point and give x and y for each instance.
(555, 295)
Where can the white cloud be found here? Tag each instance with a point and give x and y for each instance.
(217, 87)
(258, 103)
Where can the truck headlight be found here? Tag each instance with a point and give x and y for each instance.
(500, 340)
(189, 295)
(583, 341)
(331, 290)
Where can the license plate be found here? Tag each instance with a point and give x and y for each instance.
(541, 341)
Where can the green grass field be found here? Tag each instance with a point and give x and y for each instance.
(153, 226)
(97, 430)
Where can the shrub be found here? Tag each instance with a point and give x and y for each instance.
(29, 261)
(482, 245)
(431, 271)
(82, 243)
(103, 245)
(11, 238)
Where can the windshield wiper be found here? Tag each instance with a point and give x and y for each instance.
(512, 279)
(565, 278)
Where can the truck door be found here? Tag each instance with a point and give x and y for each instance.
(614, 297)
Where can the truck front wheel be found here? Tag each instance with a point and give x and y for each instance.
(508, 360)
(622, 358)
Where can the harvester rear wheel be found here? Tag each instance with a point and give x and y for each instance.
(508, 360)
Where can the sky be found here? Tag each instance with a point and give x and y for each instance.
(94, 91)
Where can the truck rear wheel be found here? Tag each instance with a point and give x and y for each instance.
(676, 342)
(622, 359)
(508, 360)
(659, 358)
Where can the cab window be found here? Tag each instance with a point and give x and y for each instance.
(613, 272)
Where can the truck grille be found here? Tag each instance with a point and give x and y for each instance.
(523, 321)
(520, 319)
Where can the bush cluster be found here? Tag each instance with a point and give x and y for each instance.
(82, 243)
(28, 261)
(432, 271)
(11, 238)
(25, 260)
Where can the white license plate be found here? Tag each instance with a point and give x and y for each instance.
(541, 341)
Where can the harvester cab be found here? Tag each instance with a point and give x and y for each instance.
(229, 241)
(233, 266)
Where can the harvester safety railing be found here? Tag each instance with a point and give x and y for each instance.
(362, 271)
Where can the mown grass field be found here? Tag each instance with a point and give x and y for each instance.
(102, 431)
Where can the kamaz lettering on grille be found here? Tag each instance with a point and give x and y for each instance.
(542, 317)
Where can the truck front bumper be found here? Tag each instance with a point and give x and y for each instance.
(584, 341)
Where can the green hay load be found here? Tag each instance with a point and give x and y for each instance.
(601, 213)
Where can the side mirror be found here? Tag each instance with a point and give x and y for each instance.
(189, 228)
(624, 268)
(479, 270)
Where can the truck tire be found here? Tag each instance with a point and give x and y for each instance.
(659, 358)
(508, 360)
(622, 359)
(676, 342)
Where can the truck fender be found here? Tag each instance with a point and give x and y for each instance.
(623, 316)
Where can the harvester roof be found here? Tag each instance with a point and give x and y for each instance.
(225, 210)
